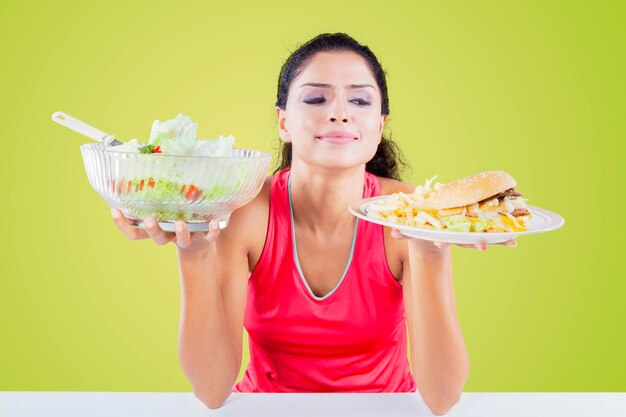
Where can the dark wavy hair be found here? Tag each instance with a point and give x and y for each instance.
(388, 161)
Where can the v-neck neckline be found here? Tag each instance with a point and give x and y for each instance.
(295, 253)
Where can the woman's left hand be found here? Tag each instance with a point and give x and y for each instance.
(442, 245)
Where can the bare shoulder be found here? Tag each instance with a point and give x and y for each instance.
(247, 225)
(390, 186)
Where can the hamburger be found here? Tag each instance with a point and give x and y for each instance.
(483, 202)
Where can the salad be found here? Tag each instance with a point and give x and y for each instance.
(168, 188)
(178, 137)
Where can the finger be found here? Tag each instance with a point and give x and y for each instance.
(183, 237)
(158, 235)
(214, 231)
(480, 246)
(133, 233)
(469, 246)
(511, 243)
(396, 233)
(441, 245)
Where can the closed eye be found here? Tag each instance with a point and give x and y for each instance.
(316, 100)
(361, 102)
(320, 100)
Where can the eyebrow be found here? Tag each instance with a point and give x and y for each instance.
(323, 85)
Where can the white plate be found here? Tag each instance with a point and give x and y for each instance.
(542, 221)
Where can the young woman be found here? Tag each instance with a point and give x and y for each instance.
(326, 299)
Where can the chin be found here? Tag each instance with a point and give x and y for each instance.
(338, 162)
(339, 157)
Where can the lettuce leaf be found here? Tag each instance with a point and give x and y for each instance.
(460, 223)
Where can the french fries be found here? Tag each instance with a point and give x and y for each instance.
(404, 208)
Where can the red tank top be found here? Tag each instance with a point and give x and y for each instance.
(353, 339)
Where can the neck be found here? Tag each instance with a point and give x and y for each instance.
(321, 196)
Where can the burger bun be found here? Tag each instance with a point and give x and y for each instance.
(469, 190)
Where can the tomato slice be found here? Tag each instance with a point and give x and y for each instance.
(193, 192)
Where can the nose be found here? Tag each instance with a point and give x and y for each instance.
(338, 112)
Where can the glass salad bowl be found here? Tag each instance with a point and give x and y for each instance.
(196, 189)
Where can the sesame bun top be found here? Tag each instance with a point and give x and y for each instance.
(469, 190)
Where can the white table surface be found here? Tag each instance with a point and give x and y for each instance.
(174, 404)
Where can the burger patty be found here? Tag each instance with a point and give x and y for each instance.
(512, 192)
(520, 212)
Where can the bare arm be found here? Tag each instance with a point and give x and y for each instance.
(438, 354)
(213, 299)
(208, 348)
(214, 284)
(439, 359)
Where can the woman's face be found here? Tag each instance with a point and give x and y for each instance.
(333, 114)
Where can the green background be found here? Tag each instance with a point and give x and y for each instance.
(535, 88)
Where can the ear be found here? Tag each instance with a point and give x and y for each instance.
(282, 131)
(383, 119)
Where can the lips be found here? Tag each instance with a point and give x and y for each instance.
(337, 136)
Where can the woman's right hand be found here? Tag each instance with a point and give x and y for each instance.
(186, 241)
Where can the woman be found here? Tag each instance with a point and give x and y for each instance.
(325, 298)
